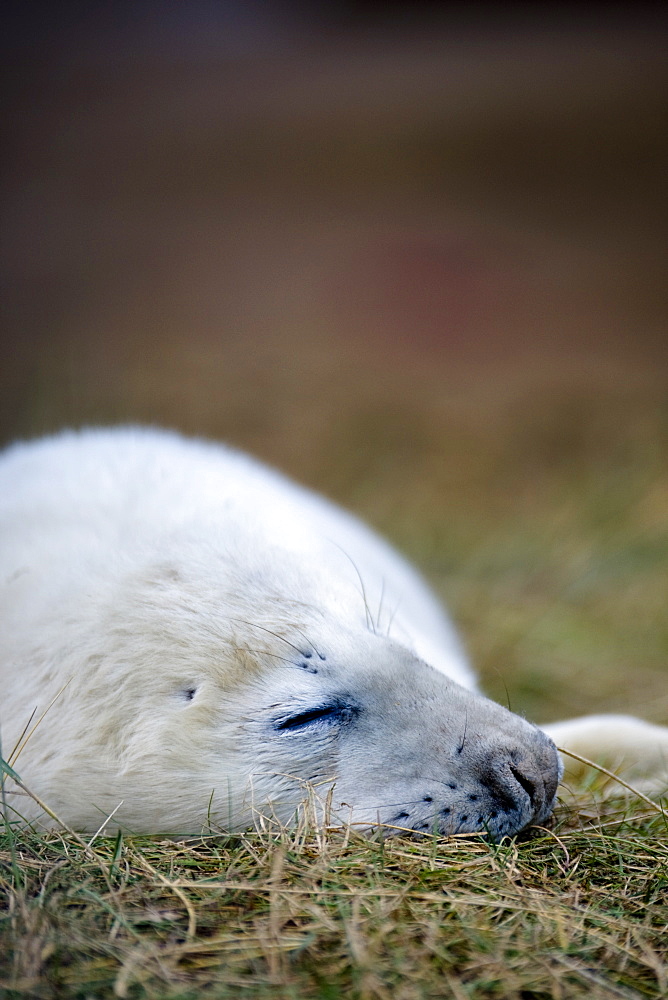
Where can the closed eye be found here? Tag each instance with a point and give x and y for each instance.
(322, 715)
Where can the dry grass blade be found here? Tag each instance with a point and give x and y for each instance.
(616, 778)
(567, 912)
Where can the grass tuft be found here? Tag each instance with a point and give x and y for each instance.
(577, 910)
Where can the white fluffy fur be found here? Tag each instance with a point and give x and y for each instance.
(167, 604)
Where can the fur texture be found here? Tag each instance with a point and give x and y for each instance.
(186, 632)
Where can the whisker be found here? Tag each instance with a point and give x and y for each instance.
(466, 722)
(367, 611)
(505, 688)
(264, 629)
(309, 641)
(380, 602)
(392, 617)
(395, 805)
(264, 652)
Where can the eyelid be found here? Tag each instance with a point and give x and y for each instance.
(323, 714)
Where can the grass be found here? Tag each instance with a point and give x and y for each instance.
(457, 330)
(579, 910)
(552, 566)
(552, 558)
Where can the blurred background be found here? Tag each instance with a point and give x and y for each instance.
(412, 253)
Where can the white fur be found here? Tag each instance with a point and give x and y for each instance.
(635, 750)
(170, 606)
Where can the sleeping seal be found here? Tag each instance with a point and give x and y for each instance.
(187, 633)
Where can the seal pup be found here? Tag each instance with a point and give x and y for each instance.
(189, 640)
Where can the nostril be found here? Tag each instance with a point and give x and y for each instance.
(517, 780)
(520, 779)
(527, 782)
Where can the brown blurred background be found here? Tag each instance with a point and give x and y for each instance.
(411, 253)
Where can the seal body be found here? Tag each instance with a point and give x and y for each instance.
(190, 641)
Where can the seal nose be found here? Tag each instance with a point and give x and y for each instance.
(516, 774)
